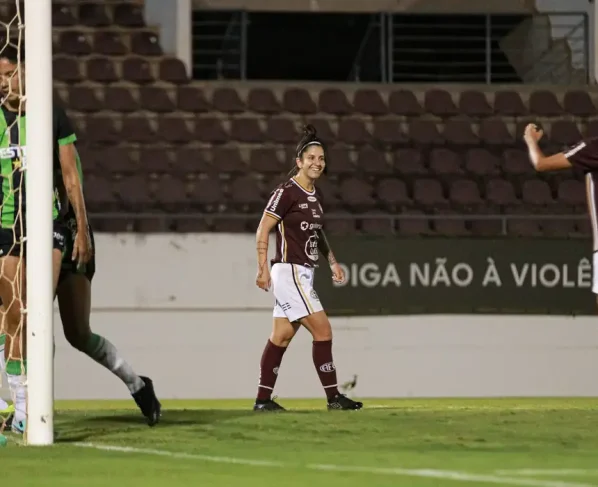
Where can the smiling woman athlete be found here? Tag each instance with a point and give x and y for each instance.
(295, 210)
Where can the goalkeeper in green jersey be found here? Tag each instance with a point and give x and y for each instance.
(74, 262)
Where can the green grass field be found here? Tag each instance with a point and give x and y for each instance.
(528, 442)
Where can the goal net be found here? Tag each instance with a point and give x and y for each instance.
(12, 224)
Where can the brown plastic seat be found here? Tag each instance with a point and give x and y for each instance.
(128, 15)
(262, 100)
(357, 194)
(344, 224)
(156, 99)
(459, 132)
(227, 100)
(115, 160)
(246, 130)
(451, 224)
(524, 228)
(174, 129)
(565, 133)
(424, 132)
(495, 132)
(501, 193)
(138, 129)
(465, 194)
(440, 103)
(84, 99)
(474, 104)
(517, 163)
(579, 103)
(508, 102)
(173, 70)
(393, 194)
(413, 223)
(109, 43)
(341, 162)
(446, 163)
(155, 160)
(572, 192)
(298, 100)
(536, 192)
(191, 161)
(102, 129)
(207, 195)
(265, 160)
(74, 43)
(369, 102)
(146, 44)
(120, 99)
(281, 130)
(428, 193)
(373, 162)
(404, 102)
(482, 163)
(133, 193)
(101, 70)
(137, 70)
(353, 131)
(334, 101)
(228, 161)
(210, 129)
(409, 163)
(93, 14)
(388, 131)
(62, 15)
(192, 99)
(66, 69)
(246, 195)
(544, 103)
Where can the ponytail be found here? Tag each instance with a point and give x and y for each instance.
(309, 138)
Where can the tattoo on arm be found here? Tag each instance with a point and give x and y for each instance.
(324, 247)
(262, 252)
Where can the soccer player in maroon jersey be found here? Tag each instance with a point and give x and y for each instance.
(295, 210)
(584, 155)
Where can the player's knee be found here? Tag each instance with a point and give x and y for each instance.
(281, 339)
(78, 339)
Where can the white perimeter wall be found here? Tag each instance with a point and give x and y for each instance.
(184, 310)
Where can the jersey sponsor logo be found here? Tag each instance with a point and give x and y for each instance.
(327, 367)
(275, 200)
(305, 226)
(311, 248)
(17, 154)
(313, 199)
(303, 206)
(314, 213)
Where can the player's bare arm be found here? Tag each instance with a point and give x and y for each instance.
(324, 246)
(267, 223)
(541, 162)
(74, 190)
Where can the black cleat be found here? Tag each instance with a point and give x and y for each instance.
(342, 402)
(148, 402)
(267, 405)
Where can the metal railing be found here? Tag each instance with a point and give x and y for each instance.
(393, 220)
(480, 48)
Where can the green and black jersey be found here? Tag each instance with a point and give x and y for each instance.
(13, 150)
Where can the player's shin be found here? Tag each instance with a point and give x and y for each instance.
(16, 372)
(322, 357)
(3, 404)
(105, 353)
(269, 366)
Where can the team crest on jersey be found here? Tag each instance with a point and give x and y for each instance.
(314, 295)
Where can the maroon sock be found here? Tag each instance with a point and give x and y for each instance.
(322, 354)
(271, 359)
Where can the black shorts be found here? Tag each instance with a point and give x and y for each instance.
(10, 240)
(69, 266)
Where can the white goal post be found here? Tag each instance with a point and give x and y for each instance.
(39, 225)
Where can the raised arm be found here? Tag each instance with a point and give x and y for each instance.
(540, 161)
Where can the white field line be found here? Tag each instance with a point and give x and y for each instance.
(403, 472)
(549, 471)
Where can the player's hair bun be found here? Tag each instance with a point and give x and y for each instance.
(309, 131)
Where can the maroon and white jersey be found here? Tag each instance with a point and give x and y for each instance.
(300, 216)
(584, 155)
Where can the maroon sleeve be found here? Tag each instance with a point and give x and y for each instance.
(280, 202)
(584, 154)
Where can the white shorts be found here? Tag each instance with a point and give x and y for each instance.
(293, 290)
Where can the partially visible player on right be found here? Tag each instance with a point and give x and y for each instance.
(583, 155)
